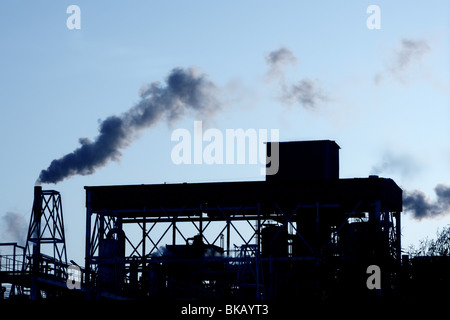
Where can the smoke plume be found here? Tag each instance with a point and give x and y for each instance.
(402, 164)
(184, 90)
(278, 59)
(410, 51)
(305, 92)
(422, 207)
(14, 228)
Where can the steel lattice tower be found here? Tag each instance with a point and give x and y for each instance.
(46, 243)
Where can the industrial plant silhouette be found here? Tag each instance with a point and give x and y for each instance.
(303, 233)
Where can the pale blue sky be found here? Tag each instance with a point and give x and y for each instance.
(56, 84)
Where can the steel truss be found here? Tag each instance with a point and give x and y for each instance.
(45, 248)
(237, 230)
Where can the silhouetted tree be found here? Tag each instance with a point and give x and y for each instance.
(434, 247)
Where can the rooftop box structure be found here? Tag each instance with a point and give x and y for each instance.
(305, 160)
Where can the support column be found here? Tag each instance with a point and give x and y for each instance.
(398, 236)
(34, 233)
(228, 238)
(258, 230)
(174, 231)
(87, 262)
(201, 223)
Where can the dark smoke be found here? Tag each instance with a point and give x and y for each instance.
(278, 59)
(183, 90)
(422, 207)
(305, 92)
(410, 51)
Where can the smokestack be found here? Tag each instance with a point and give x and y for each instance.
(37, 190)
(184, 90)
(35, 239)
(37, 209)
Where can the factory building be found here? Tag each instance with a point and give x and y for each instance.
(301, 233)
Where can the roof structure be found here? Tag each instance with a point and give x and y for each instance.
(131, 198)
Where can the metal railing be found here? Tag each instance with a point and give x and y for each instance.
(12, 260)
